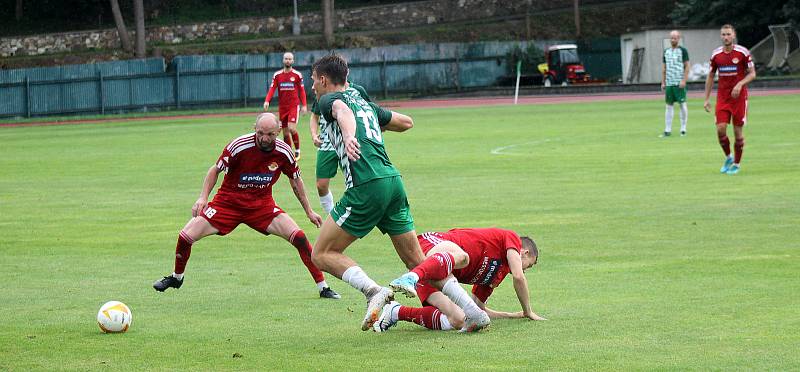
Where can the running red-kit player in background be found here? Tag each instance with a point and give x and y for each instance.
(736, 70)
(252, 164)
(291, 93)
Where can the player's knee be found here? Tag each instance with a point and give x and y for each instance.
(739, 142)
(322, 186)
(298, 237)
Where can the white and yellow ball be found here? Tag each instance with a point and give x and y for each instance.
(114, 317)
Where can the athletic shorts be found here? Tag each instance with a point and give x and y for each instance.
(424, 289)
(381, 202)
(735, 111)
(225, 216)
(327, 164)
(288, 115)
(674, 94)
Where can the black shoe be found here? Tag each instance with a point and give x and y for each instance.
(327, 292)
(168, 281)
(666, 134)
(683, 133)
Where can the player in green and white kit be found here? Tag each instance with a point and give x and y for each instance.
(374, 193)
(674, 73)
(327, 161)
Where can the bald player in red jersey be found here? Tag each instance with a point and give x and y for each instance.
(291, 92)
(252, 164)
(736, 70)
(481, 257)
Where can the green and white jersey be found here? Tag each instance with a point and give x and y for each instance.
(323, 124)
(374, 162)
(674, 59)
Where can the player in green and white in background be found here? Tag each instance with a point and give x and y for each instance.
(674, 73)
(374, 194)
(327, 160)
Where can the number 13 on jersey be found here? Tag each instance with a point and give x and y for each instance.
(371, 127)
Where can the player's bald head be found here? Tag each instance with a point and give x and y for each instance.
(674, 38)
(266, 121)
(288, 59)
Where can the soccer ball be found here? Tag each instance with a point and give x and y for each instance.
(114, 317)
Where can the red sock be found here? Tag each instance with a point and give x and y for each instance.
(296, 139)
(436, 267)
(287, 137)
(299, 241)
(428, 316)
(725, 143)
(738, 149)
(182, 252)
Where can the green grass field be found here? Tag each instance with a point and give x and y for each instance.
(650, 259)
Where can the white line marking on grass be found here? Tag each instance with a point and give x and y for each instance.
(501, 150)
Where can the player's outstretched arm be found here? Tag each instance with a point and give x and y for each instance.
(347, 123)
(399, 123)
(208, 185)
(300, 193)
(520, 284)
(494, 314)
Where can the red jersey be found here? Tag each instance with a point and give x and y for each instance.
(732, 67)
(487, 249)
(250, 172)
(289, 85)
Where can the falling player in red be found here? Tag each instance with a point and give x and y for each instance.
(481, 257)
(252, 164)
(736, 70)
(289, 83)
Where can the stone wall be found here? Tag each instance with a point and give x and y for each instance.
(392, 16)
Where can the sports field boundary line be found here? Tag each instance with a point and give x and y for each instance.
(423, 103)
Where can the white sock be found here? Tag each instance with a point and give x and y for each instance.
(668, 115)
(177, 276)
(322, 285)
(395, 314)
(684, 116)
(459, 296)
(358, 279)
(445, 323)
(327, 202)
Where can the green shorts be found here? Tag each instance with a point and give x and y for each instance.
(381, 202)
(675, 94)
(327, 164)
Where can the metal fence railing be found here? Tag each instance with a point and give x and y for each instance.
(241, 80)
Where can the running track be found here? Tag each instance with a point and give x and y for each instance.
(436, 103)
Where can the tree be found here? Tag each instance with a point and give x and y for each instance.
(138, 10)
(18, 11)
(327, 21)
(121, 29)
(749, 17)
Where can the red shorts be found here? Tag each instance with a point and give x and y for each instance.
(288, 115)
(225, 217)
(425, 289)
(735, 111)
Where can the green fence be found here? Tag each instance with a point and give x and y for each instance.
(243, 80)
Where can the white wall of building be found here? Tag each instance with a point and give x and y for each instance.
(698, 42)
